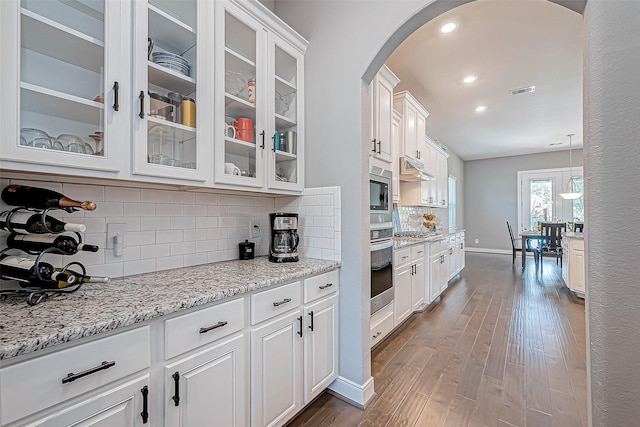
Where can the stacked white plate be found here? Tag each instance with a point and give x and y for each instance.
(171, 61)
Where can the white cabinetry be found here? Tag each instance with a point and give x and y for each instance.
(409, 281)
(382, 131)
(438, 267)
(432, 193)
(573, 264)
(412, 126)
(294, 351)
(68, 383)
(395, 179)
(381, 323)
(266, 150)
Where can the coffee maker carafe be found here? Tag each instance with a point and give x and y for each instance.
(284, 237)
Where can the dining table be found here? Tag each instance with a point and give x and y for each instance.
(527, 236)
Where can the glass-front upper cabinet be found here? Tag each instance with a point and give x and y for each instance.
(65, 76)
(170, 77)
(240, 133)
(285, 116)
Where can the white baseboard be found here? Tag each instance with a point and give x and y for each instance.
(356, 394)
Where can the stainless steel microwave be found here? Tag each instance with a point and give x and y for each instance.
(380, 195)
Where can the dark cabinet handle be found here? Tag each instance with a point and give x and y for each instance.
(379, 151)
(72, 377)
(210, 328)
(145, 404)
(274, 143)
(374, 145)
(311, 325)
(328, 285)
(176, 388)
(279, 303)
(141, 96)
(300, 320)
(116, 86)
(262, 134)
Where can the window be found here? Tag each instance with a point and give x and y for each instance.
(452, 201)
(539, 199)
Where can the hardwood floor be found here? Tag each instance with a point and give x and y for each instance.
(502, 348)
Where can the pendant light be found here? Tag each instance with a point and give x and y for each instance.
(571, 193)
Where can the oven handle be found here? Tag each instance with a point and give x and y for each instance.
(380, 246)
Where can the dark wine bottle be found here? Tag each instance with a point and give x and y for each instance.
(23, 221)
(39, 242)
(41, 198)
(88, 279)
(24, 271)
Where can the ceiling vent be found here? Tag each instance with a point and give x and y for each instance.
(522, 90)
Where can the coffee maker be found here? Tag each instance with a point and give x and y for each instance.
(284, 237)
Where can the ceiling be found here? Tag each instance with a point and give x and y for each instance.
(507, 45)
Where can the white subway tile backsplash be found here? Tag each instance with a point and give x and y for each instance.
(182, 198)
(139, 209)
(181, 248)
(169, 236)
(139, 267)
(174, 228)
(156, 223)
(121, 194)
(155, 251)
(154, 196)
(169, 210)
(170, 262)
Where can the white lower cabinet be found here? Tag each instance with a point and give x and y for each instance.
(438, 267)
(409, 282)
(121, 406)
(381, 324)
(402, 293)
(195, 369)
(573, 265)
(208, 385)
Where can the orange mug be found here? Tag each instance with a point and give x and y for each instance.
(244, 129)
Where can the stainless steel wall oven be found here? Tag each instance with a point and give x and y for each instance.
(381, 250)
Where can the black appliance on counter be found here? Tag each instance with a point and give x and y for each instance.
(284, 237)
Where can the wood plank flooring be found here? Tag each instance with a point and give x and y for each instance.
(502, 348)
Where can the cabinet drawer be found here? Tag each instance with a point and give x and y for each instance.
(192, 330)
(36, 384)
(417, 252)
(452, 238)
(401, 256)
(321, 285)
(381, 324)
(267, 304)
(578, 245)
(460, 237)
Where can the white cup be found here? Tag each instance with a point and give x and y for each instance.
(230, 131)
(231, 169)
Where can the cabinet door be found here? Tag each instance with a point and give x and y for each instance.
(320, 346)
(435, 265)
(576, 271)
(409, 119)
(418, 284)
(421, 146)
(443, 178)
(241, 134)
(383, 112)
(402, 293)
(64, 78)
(276, 370)
(285, 130)
(395, 152)
(444, 271)
(172, 68)
(209, 385)
(120, 406)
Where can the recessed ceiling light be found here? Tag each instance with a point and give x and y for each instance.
(470, 79)
(481, 108)
(448, 27)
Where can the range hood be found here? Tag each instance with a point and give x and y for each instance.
(412, 171)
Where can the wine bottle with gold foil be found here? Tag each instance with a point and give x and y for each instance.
(41, 198)
(25, 221)
(31, 274)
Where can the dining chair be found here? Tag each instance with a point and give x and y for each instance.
(515, 247)
(551, 246)
(578, 226)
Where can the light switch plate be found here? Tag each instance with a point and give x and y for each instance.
(114, 230)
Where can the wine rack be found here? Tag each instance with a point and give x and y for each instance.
(34, 294)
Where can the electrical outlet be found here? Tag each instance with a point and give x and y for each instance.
(477, 241)
(254, 229)
(114, 230)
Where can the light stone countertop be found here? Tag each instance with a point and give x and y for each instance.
(403, 242)
(97, 308)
